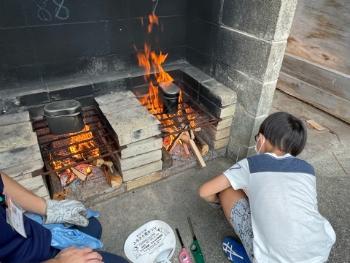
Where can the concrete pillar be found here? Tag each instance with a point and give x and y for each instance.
(244, 51)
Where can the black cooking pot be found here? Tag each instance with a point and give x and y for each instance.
(170, 97)
(64, 116)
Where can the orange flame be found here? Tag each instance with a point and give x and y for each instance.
(152, 21)
(151, 61)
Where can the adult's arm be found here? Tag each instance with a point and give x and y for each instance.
(209, 190)
(24, 198)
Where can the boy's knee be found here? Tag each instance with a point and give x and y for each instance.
(200, 192)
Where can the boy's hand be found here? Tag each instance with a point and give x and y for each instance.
(66, 211)
(77, 255)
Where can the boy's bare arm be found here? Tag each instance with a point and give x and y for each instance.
(209, 190)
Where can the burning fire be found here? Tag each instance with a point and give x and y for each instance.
(150, 60)
(152, 20)
(80, 147)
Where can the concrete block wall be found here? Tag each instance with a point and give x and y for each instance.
(218, 100)
(241, 44)
(42, 40)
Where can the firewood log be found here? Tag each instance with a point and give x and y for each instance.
(197, 153)
(187, 137)
(114, 180)
(202, 145)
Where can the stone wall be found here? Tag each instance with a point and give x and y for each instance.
(241, 44)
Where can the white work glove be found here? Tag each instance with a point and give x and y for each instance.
(66, 211)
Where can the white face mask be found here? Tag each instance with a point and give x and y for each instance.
(261, 145)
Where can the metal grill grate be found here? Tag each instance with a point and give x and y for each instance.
(190, 115)
(53, 147)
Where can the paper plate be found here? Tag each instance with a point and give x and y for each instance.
(153, 242)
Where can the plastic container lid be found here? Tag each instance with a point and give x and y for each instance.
(62, 108)
(153, 242)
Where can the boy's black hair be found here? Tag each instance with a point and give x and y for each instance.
(285, 131)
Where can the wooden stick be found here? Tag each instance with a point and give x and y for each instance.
(185, 138)
(114, 180)
(202, 145)
(197, 153)
(79, 174)
(175, 142)
(192, 134)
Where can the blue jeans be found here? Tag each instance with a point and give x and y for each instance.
(95, 229)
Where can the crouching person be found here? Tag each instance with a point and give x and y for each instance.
(270, 199)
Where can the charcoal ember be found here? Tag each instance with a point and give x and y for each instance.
(82, 171)
(84, 168)
(67, 177)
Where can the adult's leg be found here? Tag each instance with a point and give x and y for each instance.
(111, 258)
(228, 199)
(93, 229)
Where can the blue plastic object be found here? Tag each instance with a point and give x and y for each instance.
(234, 251)
(64, 237)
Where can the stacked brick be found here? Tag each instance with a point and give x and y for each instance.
(20, 154)
(138, 134)
(220, 101)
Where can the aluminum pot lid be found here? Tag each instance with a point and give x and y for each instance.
(171, 91)
(62, 108)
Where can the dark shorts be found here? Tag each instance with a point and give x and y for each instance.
(94, 229)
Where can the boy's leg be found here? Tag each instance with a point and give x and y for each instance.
(228, 199)
(237, 211)
(94, 228)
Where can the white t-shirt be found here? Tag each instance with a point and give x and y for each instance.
(287, 226)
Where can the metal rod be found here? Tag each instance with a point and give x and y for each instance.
(85, 151)
(71, 144)
(58, 138)
(165, 133)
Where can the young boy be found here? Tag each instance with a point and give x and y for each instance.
(270, 199)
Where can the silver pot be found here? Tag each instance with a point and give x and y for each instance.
(64, 116)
